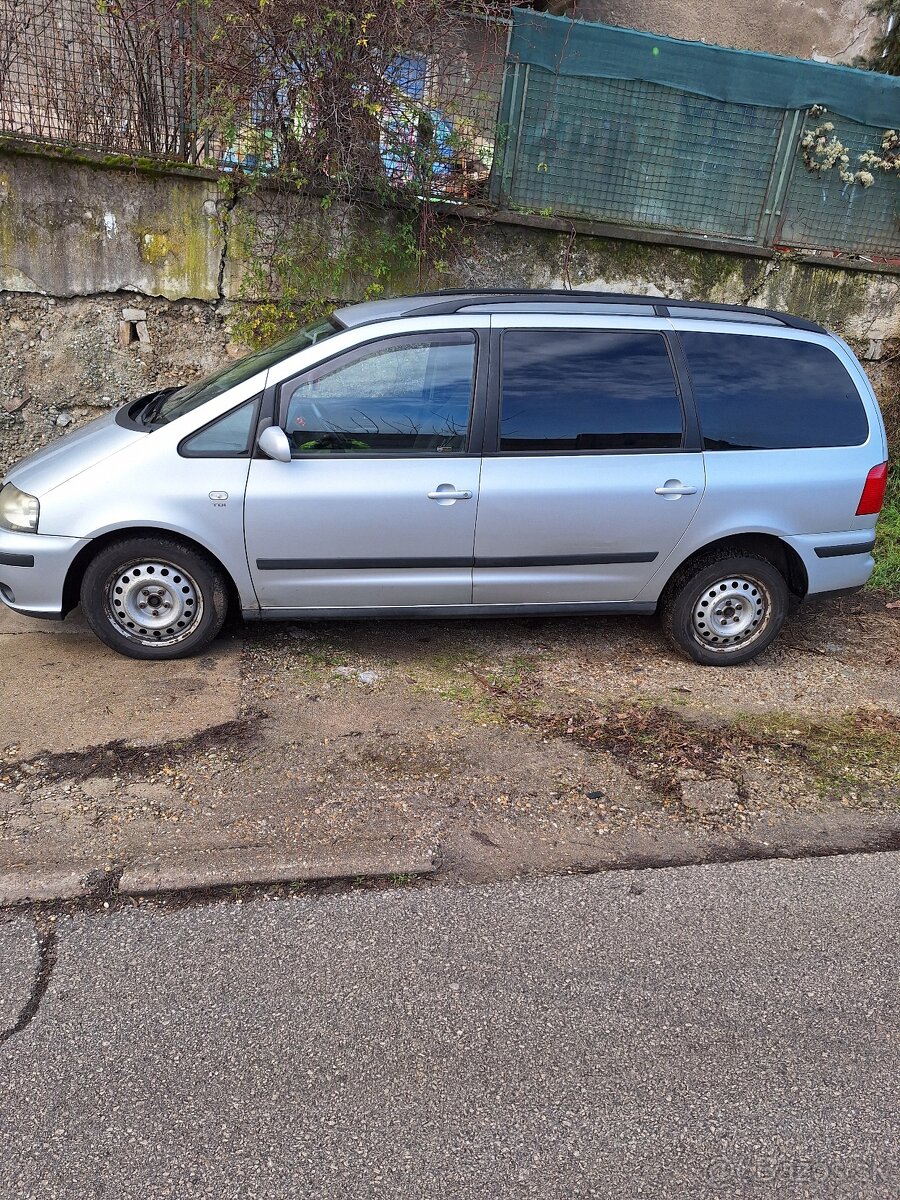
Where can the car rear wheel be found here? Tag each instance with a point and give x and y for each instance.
(725, 609)
(154, 598)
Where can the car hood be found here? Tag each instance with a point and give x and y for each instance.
(71, 454)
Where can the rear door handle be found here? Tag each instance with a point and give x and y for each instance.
(449, 494)
(673, 488)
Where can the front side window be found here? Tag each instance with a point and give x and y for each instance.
(405, 395)
(767, 393)
(229, 437)
(587, 391)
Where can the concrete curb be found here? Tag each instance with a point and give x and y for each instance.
(199, 870)
(231, 868)
(44, 883)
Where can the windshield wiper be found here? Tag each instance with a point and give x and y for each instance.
(155, 402)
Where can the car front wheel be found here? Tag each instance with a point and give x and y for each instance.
(154, 598)
(725, 610)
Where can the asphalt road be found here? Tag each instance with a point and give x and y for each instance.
(714, 1031)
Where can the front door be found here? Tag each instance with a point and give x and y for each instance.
(376, 508)
(594, 476)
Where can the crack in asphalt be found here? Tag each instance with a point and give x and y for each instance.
(46, 942)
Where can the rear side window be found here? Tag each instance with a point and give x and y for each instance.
(763, 393)
(583, 391)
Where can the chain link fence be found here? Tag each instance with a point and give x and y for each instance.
(79, 74)
(565, 137)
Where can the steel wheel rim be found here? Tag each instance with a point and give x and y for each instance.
(730, 613)
(153, 602)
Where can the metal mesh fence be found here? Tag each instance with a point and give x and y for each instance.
(646, 156)
(437, 127)
(462, 124)
(75, 75)
(635, 153)
(69, 75)
(823, 212)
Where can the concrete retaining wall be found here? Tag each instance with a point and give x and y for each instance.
(82, 241)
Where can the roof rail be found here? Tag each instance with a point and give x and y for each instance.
(457, 299)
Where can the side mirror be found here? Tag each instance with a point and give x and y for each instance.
(274, 443)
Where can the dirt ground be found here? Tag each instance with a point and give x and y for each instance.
(500, 746)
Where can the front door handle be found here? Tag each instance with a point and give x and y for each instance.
(446, 494)
(673, 488)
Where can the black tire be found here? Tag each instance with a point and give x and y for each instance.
(725, 609)
(154, 598)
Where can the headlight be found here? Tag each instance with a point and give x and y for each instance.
(18, 511)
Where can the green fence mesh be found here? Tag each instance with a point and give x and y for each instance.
(588, 130)
(822, 212)
(635, 153)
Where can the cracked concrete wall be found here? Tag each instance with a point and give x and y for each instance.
(831, 30)
(72, 227)
(70, 348)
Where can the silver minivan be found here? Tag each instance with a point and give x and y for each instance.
(469, 454)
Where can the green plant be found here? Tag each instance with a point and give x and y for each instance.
(885, 53)
(336, 154)
(887, 545)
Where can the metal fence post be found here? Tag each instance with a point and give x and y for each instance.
(509, 128)
(780, 177)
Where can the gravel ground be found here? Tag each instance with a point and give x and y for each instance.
(522, 744)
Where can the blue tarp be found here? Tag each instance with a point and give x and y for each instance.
(592, 50)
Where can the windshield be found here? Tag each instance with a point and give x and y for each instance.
(186, 399)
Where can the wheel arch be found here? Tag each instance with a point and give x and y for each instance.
(768, 545)
(78, 566)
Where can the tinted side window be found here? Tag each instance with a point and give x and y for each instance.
(402, 395)
(229, 437)
(588, 391)
(764, 393)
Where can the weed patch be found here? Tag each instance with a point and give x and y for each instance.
(851, 756)
(848, 754)
(887, 544)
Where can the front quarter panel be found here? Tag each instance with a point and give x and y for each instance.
(149, 485)
(71, 454)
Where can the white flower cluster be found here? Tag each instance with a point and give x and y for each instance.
(889, 158)
(823, 151)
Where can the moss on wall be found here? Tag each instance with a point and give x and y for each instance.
(73, 224)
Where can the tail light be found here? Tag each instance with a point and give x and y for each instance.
(872, 496)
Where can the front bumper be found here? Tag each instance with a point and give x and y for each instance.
(33, 569)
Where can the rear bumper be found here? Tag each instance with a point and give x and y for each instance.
(836, 562)
(823, 596)
(33, 569)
